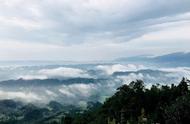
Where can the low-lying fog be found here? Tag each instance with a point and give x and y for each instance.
(78, 84)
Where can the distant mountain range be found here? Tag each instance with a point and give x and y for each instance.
(45, 82)
(173, 59)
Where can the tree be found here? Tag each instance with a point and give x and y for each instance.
(183, 87)
(179, 111)
(67, 120)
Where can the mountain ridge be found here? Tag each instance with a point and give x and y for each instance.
(171, 59)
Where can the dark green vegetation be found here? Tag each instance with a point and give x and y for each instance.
(131, 103)
(134, 104)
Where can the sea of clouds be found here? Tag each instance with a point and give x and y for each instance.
(104, 80)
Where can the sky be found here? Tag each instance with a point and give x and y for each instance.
(91, 30)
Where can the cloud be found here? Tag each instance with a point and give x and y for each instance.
(80, 93)
(18, 95)
(27, 95)
(62, 72)
(110, 69)
(131, 77)
(178, 72)
(19, 22)
(79, 25)
(51, 93)
(31, 77)
(164, 76)
(57, 73)
(78, 90)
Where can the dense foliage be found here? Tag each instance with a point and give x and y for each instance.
(134, 104)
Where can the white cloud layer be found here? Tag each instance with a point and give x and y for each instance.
(64, 72)
(56, 73)
(110, 69)
(18, 95)
(82, 92)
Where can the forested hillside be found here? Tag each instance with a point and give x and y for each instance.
(134, 104)
(131, 104)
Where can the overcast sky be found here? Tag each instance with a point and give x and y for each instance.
(92, 29)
